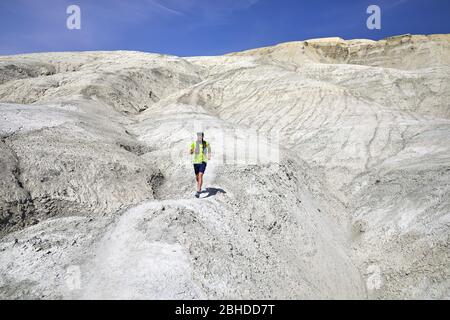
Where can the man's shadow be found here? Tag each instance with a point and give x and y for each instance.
(212, 192)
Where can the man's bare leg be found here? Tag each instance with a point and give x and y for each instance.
(199, 182)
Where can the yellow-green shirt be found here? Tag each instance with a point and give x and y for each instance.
(200, 155)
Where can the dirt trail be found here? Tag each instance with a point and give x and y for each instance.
(136, 260)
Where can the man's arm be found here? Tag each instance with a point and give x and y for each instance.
(192, 149)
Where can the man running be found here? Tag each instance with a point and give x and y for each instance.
(201, 150)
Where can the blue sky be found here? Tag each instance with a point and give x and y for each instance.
(205, 27)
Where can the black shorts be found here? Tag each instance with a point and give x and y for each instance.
(199, 167)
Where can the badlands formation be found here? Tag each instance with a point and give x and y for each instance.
(351, 198)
